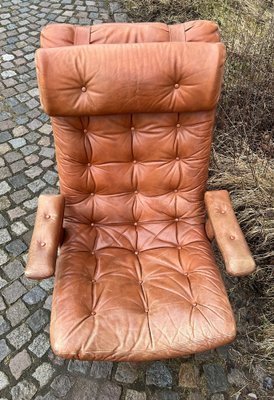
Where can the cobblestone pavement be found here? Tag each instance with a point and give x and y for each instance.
(29, 370)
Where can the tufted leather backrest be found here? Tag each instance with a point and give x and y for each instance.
(147, 162)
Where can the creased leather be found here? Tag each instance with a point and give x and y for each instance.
(136, 278)
(46, 237)
(227, 232)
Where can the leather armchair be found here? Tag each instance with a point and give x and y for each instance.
(132, 109)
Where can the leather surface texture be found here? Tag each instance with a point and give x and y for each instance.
(46, 237)
(136, 278)
(223, 225)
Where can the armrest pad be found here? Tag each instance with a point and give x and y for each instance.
(227, 232)
(46, 237)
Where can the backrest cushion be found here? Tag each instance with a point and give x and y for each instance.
(151, 168)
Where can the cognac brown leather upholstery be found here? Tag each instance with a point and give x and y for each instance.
(237, 257)
(47, 235)
(136, 278)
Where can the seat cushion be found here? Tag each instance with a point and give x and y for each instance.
(115, 303)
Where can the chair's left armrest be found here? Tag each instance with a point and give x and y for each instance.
(224, 227)
(46, 237)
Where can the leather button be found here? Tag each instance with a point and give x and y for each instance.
(43, 244)
(89, 164)
(194, 304)
(177, 158)
(185, 273)
(179, 247)
(146, 310)
(93, 253)
(136, 191)
(47, 216)
(93, 281)
(93, 313)
(175, 190)
(223, 212)
(135, 223)
(85, 131)
(132, 128)
(136, 252)
(84, 89)
(232, 237)
(176, 220)
(134, 161)
(92, 194)
(92, 224)
(176, 85)
(141, 282)
(178, 125)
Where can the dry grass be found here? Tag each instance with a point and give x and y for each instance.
(242, 157)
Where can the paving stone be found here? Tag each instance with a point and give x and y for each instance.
(2, 304)
(188, 376)
(61, 385)
(3, 222)
(16, 247)
(34, 171)
(51, 177)
(159, 375)
(40, 345)
(4, 236)
(34, 296)
(4, 382)
(76, 366)
(48, 303)
(101, 369)
(20, 196)
(19, 336)
(17, 143)
(134, 395)
(165, 395)
(109, 391)
(85, 389)
(17, 312)
(47, 284)
(38, 320)
(18, 228)
(216, 378)
(4, 173)
(18, 181)
(43, 373)
(4, 349)
(4, 188)
(23, 391)
(3, 257)
(126, 372)
(3, 283)
(37, 185)
(4, 325)
(4, 202)
(19, 131)
(16, 213)
(19, 364)
(13, 292)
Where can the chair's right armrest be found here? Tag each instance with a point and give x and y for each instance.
(46, 237)
(223, 226)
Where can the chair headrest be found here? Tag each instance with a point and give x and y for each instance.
(130, 78)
